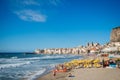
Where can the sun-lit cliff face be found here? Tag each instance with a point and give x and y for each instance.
(115, 35)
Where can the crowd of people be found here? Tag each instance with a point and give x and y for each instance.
(87, 63)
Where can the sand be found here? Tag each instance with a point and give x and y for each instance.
(95, 74)
(49, 76)
(86, 74)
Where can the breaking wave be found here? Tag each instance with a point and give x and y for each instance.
(2, 66)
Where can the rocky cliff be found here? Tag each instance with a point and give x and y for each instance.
(115, 35)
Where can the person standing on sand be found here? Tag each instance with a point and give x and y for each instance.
(54, 73)
(103, 63)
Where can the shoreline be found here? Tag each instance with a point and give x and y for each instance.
(49, 73)
(59, 76)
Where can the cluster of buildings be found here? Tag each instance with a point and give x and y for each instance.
(111, 47)
(89, 48)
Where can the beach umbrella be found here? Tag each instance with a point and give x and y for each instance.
(96, 61)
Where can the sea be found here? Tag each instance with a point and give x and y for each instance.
(22, 66)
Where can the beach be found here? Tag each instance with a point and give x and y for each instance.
(86, 74)
(49, 76)
(95, 74)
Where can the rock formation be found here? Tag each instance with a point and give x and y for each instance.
(115, 35)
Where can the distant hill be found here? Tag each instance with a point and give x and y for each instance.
(115, 34)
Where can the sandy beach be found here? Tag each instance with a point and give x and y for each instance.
(49, 76)
(100, 73)
(86, 74)
(95, 74)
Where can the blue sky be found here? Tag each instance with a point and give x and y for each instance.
(29, 24)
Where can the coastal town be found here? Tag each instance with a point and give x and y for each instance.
(110, 47)
(89, 48)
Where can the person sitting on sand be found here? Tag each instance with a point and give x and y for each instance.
(70, 75)
(111, 61)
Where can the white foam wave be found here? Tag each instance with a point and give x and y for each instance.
(17, 60)
(32, 58)
(52, 65)
(37, 73)
(44, 57)
(57, 56)
(15, 57)
(52, 57)
(13, 65)
(36, 58)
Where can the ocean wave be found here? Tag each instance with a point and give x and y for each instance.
(13, 65)
(29, 67)
(15, 57)
(45, 57)
(52, 57)
(13, 60)
(58, 56)
(37, 58)
(36, 74)
(32, 58)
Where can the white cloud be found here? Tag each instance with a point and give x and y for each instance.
(40, 2)
(55, 2)
(30, 2)
(30, 15)
(27, 10)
